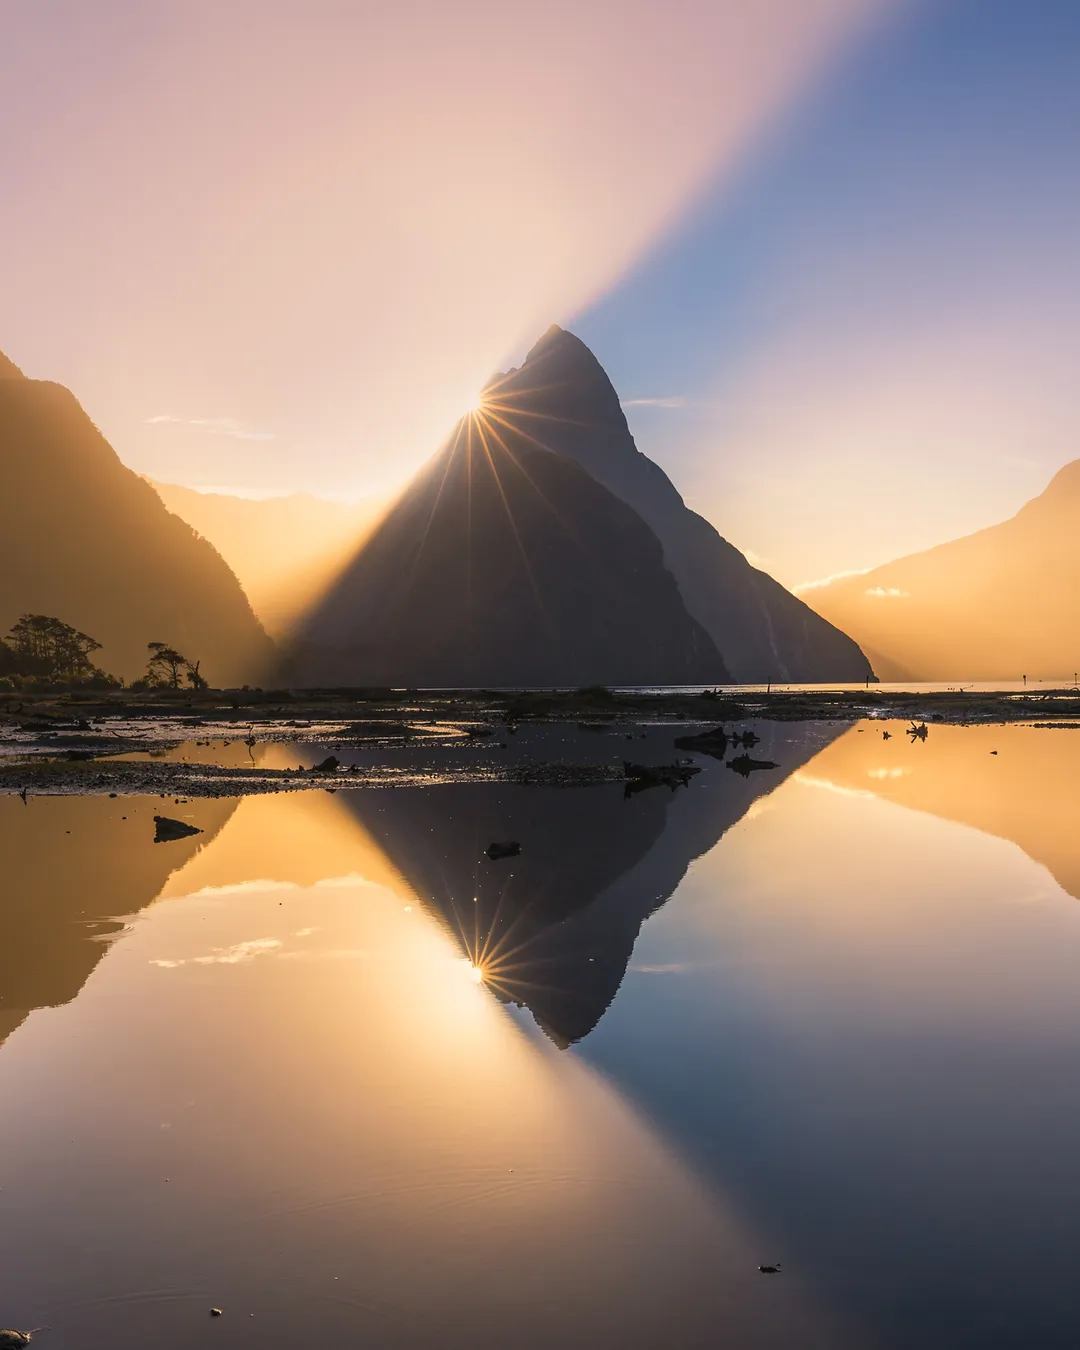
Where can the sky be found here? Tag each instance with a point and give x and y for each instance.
(868, 341)
(824, 248)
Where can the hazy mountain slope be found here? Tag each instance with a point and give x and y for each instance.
(562, 397)
(995, 605)
(88, 541)
(506, 565)
(285, 551)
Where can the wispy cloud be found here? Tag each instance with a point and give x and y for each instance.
(757, 560)
(888, 593)
(213, 426)
(805, 586)
(674, 402)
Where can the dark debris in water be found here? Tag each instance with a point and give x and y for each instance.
(419, 738)
(166, 829)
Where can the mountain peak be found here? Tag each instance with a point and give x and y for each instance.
(562, 398)
(9, 370)
(564, 356)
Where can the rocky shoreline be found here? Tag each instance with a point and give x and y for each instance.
(236, 743)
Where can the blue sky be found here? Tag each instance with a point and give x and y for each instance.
(872, 332)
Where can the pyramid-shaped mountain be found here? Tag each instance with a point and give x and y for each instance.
(86, 540)
(562, 399)
(996, 605)
(504, 564)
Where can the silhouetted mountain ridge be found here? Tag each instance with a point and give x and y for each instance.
(562, 397)
(86, 540)
(505, 564)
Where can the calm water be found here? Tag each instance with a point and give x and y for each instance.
(328, 1068)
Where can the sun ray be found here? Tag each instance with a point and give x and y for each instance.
(510, 518)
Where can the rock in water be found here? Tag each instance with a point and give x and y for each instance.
(9, 1339)
(712, 742)
(641, 776)
(744, 765)
(510, 849)
(166, 829)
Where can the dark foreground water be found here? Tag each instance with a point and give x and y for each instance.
(329, 1069)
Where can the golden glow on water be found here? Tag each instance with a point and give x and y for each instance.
(291, 1079)
(294, 1049)
(1014, 781)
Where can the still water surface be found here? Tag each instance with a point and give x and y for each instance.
(329, 1069)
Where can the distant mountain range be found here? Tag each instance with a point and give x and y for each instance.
(996, 605)
(541, 547)
(87, 541)
(285, 551)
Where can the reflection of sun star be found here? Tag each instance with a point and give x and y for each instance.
(477, 975)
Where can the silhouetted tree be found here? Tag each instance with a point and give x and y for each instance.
(165, 664)
(193, 677)
(47, 647)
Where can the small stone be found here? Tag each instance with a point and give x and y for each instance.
(215, 1312)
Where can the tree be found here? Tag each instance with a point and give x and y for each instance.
(47, 647)
(165, 664)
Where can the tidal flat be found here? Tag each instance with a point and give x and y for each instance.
(241, 742)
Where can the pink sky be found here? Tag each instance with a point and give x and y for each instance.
(281, 245)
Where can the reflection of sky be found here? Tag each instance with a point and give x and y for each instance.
(290, 1100)
(847, 1043)
(873, 331)
(859, 1022)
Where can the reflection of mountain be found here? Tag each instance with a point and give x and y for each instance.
(991, 606)
(284, 551)
(1026, 792)
(71, 867)
(504, 564)
(554, 928)
(85, 539)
